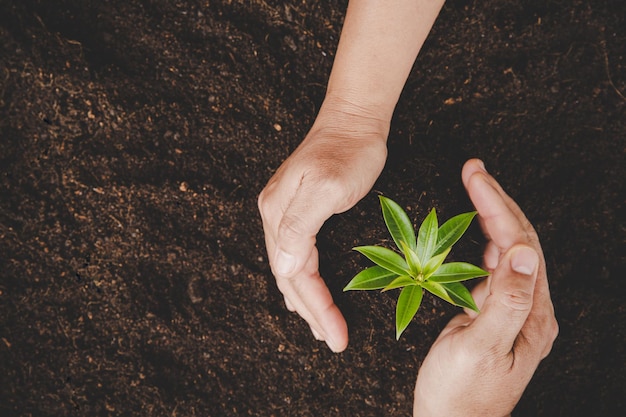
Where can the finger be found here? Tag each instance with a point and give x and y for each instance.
(273, 202)
(503, 224)
(510, 301)
(477, 166)
(305, 293)
(479, 294)
(470, 167)
(299, 225)
(541, 327)
(290, 234)
(501, 218)
(491, 256)
(308, 295)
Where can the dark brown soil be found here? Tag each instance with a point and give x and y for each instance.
(136, 135)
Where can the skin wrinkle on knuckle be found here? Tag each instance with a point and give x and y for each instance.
(291, 228)
(517, 300)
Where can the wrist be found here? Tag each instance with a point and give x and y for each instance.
(363, 101)
(347, 116)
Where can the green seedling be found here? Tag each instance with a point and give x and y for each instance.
(421, 265)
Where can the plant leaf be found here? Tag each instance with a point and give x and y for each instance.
(398, 223)
(434, 263)
(408, 303)
(452, 230)
(373, 278)
(386, 258)
(454, 293)
(415, 266)
(427, 236)
(457, 271)
(401, 281)
(437, 289)
(461, 295)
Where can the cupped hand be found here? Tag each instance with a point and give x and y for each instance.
(332, 169)
(481, 363)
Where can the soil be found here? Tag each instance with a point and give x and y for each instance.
(136, 135)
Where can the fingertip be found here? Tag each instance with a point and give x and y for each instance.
(337, 344)
(336, 332)
(471, 167)
(480, 191)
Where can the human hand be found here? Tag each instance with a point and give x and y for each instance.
(332, 169)
(481, 363)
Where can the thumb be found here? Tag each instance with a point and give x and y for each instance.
(510, 300)
(297, 230)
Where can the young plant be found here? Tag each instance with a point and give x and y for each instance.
(421, 268)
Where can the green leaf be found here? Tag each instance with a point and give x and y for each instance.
(461, 295)
(415, 266)
(386, 258)
(398, 223)
(427, 236)
(437, 289)
(434, 263)
(408, 303)
(454, 293)
(401, 281)
(457, 271)
(373, 278)
(452, 230)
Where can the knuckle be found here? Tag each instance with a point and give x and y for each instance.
(291, 228)
(549, 324)
(518, 300)
(552, 331)
(546, 330)
(284, 284)
(260, 203)
(263, 201)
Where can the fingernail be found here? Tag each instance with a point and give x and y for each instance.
(482, 165)
(284, 263)
(524, 261)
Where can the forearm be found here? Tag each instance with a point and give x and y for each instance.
(379, 43)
